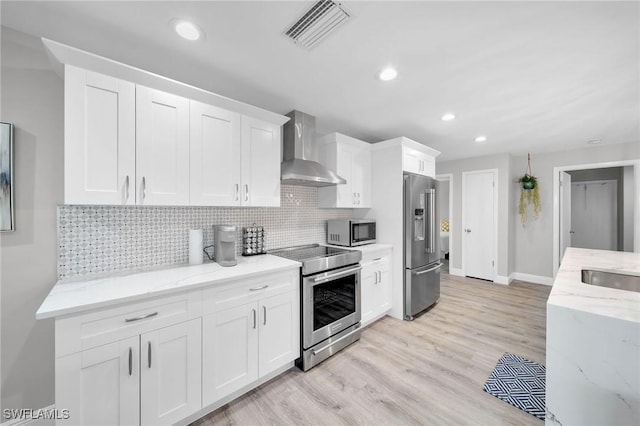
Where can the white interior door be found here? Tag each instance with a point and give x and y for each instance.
(479, 239)
(565, 212)
(594, 215)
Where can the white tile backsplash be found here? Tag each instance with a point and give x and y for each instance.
(96, 239)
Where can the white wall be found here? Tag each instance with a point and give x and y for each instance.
(32, 99)
(443, 199)
(502, 163)
(533, 243)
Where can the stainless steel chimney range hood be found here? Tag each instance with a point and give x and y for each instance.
(296, 168)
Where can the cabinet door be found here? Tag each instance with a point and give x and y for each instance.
(261, 145)
(170, 373)
(411, 161)
(101, 386)
(99, 131)
(229, 351)
(369, 278)
(215, 156)
(279, 341)
(428, 166)
(162, 148)
(361, 178)
(383, 294)
(346, 193)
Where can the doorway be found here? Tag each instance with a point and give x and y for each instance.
(480, 223)
(445, 207)
(596, 207)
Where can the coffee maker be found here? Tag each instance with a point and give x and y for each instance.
(224, 241)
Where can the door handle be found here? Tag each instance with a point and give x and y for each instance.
(144, 188)
(572, 232)
(264, 315)
(432, 221)
(375, 274)
(130, 361)
(259, 288)
(149, 354)
(246, 192)
(467, 230)
(329, 277)
(254, 318)
(237, 192)
(317, 351)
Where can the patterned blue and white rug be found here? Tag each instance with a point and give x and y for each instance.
(519, 382)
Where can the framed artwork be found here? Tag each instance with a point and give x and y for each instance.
(6, 178)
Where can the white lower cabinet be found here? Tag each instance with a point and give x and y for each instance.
(376, 285)
(170, 371)
(150, 379)
(244, 343)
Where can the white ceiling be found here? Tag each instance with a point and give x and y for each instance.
(531, 76)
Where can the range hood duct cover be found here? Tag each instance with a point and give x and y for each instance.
(296, 168)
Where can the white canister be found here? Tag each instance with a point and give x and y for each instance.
(195, 247)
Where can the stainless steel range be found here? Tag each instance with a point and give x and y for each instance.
(330, 305)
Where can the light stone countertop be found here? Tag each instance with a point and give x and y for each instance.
(570, 292)
(80, 293)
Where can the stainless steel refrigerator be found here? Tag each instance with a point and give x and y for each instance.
(421, 244)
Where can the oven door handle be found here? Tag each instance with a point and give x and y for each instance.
(329, 277)
(315, 352)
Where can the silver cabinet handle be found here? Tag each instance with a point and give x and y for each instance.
(153, 314)
(254, 318)
(259, 288)
(327, 277)
(149, 354)
(246, 192)
(264, 315)
(379, 277)
(130, 361)
(467, 230)
(237, 192)
(375, 274)
(376, 259)
(126, 186)
(429, 270)
(144, 188)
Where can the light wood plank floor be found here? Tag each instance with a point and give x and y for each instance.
(429, 371)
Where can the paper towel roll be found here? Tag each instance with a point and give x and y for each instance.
(195, 247)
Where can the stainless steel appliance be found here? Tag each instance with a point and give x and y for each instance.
(298, 167)
(330, 300)
(224, 241)
(351, 232)
(421, 244)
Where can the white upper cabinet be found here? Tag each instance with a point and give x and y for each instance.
(351, 159)
(130, 143)
(100, 138)
(162, 148)
(418, 162)
(215, 156)
(261, 145)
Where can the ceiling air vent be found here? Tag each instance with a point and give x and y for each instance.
(322, 19)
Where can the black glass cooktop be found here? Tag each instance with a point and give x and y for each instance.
(313, 251)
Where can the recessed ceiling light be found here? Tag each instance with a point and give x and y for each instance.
(481, 139)
(388, 74)
(187, 30)
(448, 117)
(594, 141)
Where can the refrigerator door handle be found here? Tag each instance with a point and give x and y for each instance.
(431, 246)
(439, 265)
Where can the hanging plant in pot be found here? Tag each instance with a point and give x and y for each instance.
(529, 192)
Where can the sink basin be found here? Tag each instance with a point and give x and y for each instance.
(618, 280)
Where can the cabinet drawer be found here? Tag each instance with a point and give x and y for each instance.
(240, 292)
(375, 255)
(84, 331)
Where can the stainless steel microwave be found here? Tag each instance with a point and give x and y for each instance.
(351, 232)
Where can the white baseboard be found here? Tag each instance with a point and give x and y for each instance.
(536, 279)
(32, 422)
(456, 271)
(500, 279)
